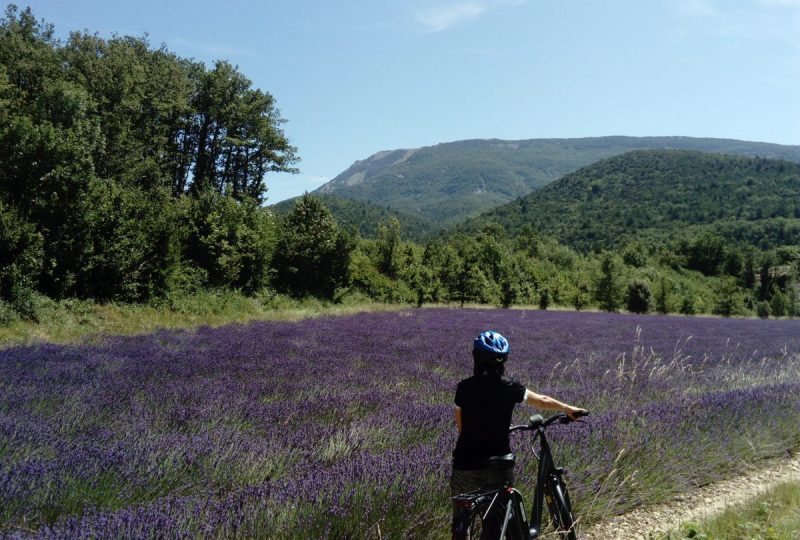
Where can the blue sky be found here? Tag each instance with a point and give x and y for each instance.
(354, 77)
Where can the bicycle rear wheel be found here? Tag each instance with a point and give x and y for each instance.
(483, 526)
(471, 526)
(560, 508)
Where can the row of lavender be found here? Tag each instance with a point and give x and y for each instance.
(342, 427)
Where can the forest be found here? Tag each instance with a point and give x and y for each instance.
(129, 174)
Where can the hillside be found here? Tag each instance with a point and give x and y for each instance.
(365, 217)
(450, 182)
(661, 193)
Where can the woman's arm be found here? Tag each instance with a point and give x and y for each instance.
(458, 418)
(540, 401)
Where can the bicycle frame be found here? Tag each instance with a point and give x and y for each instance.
(511, 498)
(546, 467)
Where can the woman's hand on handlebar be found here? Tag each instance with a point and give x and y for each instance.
(576, 412)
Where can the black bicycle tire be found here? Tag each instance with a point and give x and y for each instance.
(561, 510)
(475, 524)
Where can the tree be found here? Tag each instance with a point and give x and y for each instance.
(21, 259)
(237, 133)
(662, 296)
(765, 278)
(729, 300)
(389, 244)
(544, 298)
(580, 297)
(231, 240)
(607, 287)
(634, 255)
(777, 304)
(312, 254)
(706, 253)
(638, 297)
(687, 306)
(749, 272)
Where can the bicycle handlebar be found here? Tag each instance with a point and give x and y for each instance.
(536, 422)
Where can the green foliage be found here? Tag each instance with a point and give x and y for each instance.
(312, 255)
(661, 196)
(705, 253)
(777, 304)
(662, 296)
(544, 298)
(608, 288)
(21, 257)
(232, 241)
(365, 218)
(729, 299)
(389, 245)
(634, 255)
(763, 309)
(638, 298)
(581, 296)
(687, 306)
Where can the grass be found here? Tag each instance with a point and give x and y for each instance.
(71, 321)
(774, 515)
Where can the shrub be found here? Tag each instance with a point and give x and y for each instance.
(634, 255)
(762, 309)
(638, 297)
(544, 298)
(687, 306)
(777, 304)
(580, 297)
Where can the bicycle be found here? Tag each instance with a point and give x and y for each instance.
(486, 512)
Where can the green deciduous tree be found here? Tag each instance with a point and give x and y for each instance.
(236, 134)
(231, 240)
(729, 298)
(312, 255)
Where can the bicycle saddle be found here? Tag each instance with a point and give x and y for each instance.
(505, 461)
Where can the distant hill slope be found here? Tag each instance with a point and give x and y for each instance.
(661, 193)
(365, 217)
(449, 182)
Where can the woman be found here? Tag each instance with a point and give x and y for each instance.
(484, 405)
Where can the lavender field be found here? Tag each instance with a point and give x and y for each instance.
(343, 427)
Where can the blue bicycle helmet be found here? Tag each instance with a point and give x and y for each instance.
(491, 344)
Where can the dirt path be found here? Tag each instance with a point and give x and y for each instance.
(704, 502)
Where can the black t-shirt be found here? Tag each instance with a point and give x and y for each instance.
(487, 402)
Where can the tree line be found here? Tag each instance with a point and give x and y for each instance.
(697, 274)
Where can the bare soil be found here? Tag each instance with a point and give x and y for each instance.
(702, 503)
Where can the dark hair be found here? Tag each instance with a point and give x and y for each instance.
(485, 362)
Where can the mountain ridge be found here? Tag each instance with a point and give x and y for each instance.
(659, 194)
(452, 181)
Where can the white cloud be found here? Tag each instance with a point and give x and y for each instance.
(441, 18)
(444, 16)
